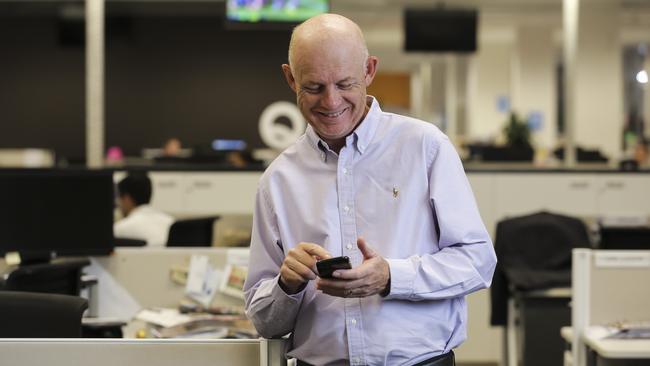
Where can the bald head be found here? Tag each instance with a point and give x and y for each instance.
(329, 70)
(320, 33)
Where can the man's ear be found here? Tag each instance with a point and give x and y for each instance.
(371, 69)
(286, 69)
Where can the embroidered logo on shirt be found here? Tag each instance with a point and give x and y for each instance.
(395, 192)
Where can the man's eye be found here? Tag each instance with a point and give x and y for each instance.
(311, 89)
(345, 86)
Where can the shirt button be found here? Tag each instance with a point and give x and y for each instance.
(346, 209)
(355, 360)
(349, 246)
(345, 171)
(353, 321)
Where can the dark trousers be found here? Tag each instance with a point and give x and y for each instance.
(446, 359)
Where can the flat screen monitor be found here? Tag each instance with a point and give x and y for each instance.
(440, 30)
(624, 238)
(286, 11)
(65, 212)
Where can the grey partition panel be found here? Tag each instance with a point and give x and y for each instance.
(619, 294)
(145, 273)
(72, 352)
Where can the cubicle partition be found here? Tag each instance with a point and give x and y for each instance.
(611, 291)
(135, 278)
(158, 352)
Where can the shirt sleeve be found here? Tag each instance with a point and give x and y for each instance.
(466, 259)
(272, 311)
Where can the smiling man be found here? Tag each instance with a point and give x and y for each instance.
(385, 190)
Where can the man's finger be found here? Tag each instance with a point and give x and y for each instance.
(349, 274)
(365, 249)
(315, 250)
(300, 268)
(334, 284)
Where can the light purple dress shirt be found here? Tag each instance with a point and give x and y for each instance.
(399, 183)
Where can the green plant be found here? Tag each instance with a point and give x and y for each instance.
(517, 132)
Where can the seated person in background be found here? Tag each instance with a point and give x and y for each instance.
(172, 147)
(140, 221)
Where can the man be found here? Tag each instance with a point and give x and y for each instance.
(140, 221)
(385, 190)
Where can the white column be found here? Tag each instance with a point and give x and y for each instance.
(595, 98)
(570, 12)
(418, 80)
(451, 96)
(534, 81)
(646, 97)
(94, 83)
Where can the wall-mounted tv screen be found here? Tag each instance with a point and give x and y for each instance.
(286, 11)
(440, 30)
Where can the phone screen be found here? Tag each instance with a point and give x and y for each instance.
(327, 266)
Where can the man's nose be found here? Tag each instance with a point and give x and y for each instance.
(331, 98)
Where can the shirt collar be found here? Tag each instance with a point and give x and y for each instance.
(362, 135)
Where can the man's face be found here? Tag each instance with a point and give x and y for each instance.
(330, 84)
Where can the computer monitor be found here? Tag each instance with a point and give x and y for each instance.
(60, 211)
(624, 238)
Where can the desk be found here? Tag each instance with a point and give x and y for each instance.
(602, 351)
(605, 351)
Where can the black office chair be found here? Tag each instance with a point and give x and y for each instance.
(534, 253)
(128, 242)
(56, 278)
(192, 232)
(38, 315)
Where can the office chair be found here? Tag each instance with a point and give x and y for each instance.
(38, 315)
(128, 242)
(192, 232)
(534, 253)
(56, 278)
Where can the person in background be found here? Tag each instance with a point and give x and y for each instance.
(141, 221)
(385, 190)
(172, 147)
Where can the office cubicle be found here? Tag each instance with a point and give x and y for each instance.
(158, 352)
(611, 289)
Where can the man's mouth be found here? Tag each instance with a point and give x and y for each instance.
(332, 114)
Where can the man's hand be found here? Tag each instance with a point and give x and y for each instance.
(370, 278)
(299, 266)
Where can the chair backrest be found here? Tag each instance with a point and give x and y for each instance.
(192, 232)
(57, 278)
(38, 315)
(128, 242)
(533, 252)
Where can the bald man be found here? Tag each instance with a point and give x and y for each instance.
(385, 190)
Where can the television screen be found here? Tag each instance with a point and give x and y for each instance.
(288, 11)
(67, 212)
(440, 30)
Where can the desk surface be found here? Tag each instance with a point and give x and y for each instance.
(616, 348)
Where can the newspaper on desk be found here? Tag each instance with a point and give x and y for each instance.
(170, 323)
(630, 330)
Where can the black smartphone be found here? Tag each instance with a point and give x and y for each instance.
(325, 267)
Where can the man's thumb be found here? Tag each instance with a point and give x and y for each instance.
(365, 249)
